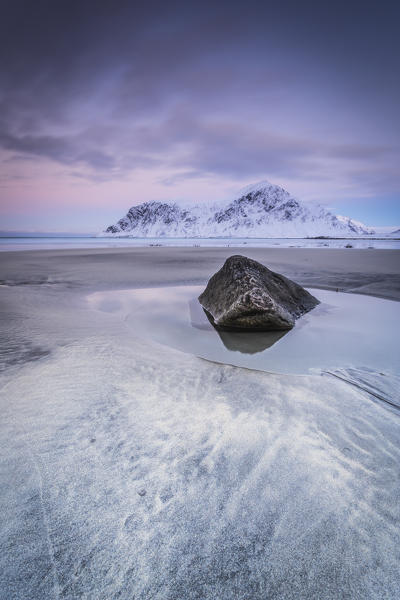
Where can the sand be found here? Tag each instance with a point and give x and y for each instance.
(128, 469)
(375, 272)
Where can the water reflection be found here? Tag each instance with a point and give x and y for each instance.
(246, 342)
(249, 342)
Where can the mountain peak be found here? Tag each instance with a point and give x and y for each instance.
(260, 186)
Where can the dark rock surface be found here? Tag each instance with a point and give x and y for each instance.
(244, 294)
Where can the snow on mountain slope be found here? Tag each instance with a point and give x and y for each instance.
(261, 210)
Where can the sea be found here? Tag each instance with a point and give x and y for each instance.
(36, 241)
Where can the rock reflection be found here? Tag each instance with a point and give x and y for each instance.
(249, 342)
(246, 342)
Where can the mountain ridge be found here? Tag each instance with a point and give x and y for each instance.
(260, 210)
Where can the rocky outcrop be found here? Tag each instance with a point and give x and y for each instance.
(245, 295)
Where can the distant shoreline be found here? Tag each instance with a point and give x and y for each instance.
(54, 242)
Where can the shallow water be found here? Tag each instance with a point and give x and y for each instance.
(344, 331)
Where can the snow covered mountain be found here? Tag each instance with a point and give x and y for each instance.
(261, 210)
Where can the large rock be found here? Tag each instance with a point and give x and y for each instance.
(245, 295)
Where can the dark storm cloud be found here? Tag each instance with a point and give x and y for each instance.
(116, 86)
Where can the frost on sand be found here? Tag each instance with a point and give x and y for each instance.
(133, 471)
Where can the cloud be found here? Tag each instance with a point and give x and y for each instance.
(66, 150)
(293, 91)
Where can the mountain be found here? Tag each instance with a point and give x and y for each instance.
(261, 210)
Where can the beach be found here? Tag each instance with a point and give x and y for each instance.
(132, 470)
(364, 271)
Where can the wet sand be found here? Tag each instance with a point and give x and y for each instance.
(128, 469)
(375, 272)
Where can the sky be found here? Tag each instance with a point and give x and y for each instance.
(104, 105)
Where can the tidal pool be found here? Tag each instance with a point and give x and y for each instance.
(344, 331)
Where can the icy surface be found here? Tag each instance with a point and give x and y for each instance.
(345, 330)
(380, 387)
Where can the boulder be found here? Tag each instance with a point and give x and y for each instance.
(245, 295)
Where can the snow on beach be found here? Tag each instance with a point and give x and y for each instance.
(130, 469)
(146, 473)
(152, 464)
